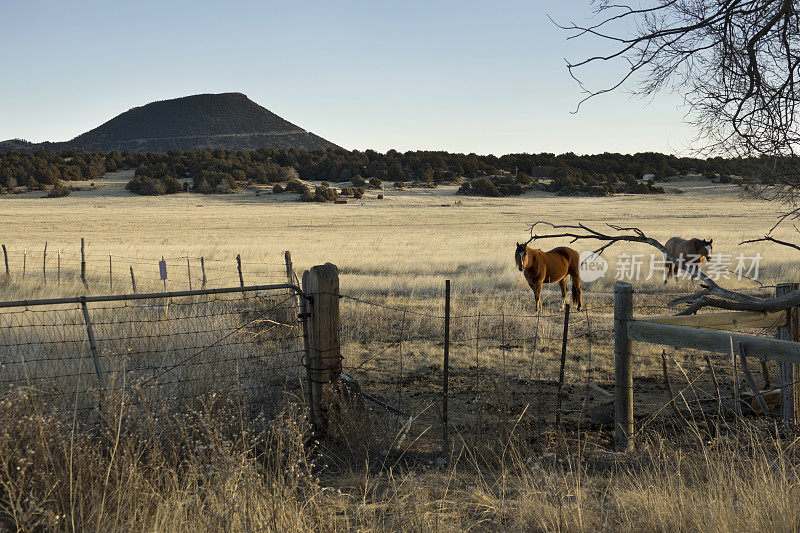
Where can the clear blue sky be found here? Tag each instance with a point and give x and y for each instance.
(462, 76)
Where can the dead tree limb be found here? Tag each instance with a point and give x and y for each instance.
(768, 238)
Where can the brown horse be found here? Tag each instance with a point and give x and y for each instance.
(550, 267)
(692, 252)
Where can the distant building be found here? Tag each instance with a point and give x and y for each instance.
(648, 177)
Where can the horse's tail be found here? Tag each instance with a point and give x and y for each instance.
(577, 291)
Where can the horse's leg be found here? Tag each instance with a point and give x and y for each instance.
(563, 285)
(537, 292)
(668, 273)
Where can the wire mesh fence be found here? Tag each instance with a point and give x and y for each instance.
(504, 368)
(511, 370)
(162, 352)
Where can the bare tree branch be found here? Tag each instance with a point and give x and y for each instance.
(767, 238)
(735, 62)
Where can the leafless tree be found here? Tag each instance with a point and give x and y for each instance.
(734, 61)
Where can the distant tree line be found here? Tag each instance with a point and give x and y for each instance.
(221, 171)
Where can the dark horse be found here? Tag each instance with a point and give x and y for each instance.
(550, 267)
(690, 252)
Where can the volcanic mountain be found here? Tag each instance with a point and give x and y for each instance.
(227, 120)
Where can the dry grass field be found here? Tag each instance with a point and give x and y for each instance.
(214, 470)
(405, 244)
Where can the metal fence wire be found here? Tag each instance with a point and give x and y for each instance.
(165, 351)
(503, 370)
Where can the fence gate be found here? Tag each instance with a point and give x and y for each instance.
(161, 351)
(700, 332)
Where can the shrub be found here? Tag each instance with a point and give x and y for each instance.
(171, 185)
(59, 191)
(479, 187)
(380, 197)
(146, 186)
(358, 181)
(202, 186)
(375, 183)
(297, 186)
(324, 194)
(288, 174)
(399, 185)
(277, 189)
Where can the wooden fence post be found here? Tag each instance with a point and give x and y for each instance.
(93, 346)
(563, 363)
(323, 350)
(789, 373)
(133, 281)
(203, 268)
(5, 256)
(750, 381)
(83, 265)
(189, 271)
(24, 261)
(446, 368)
(58, 268)
(735, 384)
(239, 268)
(44, 264)
(623, 377)
(287, 256)
(110, 276)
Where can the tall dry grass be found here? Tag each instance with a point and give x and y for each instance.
(215, 469)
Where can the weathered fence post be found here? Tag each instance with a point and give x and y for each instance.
(239, 268)
(323, 350)
(58, 267)
(287, 256)
(133, 281)
(400, 372)
(735, 385)
(189, 271)
(93, 346)
(623, 377)
(110, 276)
(83, 265)
(5, 256)
(789, 372)
(446, 367)
(203, 268)
(44, 264)
(563, 363)
(24, 261)
(750, 381)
